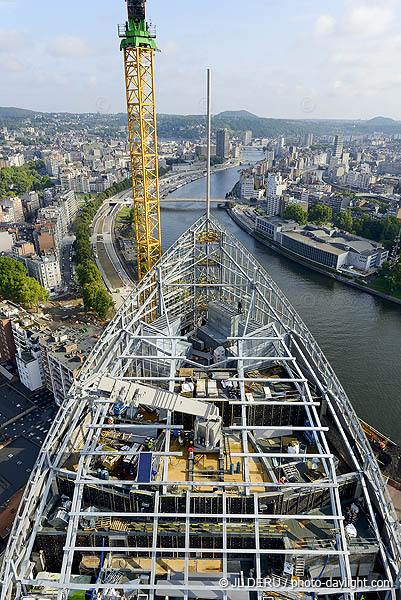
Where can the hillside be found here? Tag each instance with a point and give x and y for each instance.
(193, 127)
(10, 112)
(377, 121)
(237, 113)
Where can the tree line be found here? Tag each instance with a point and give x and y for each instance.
(16, 286)
(380, 230)
(94, 293)
(18, 180)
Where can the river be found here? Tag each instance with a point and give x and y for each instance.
(360, 334)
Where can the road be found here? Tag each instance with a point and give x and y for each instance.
(174, 180)
(113, 272)
(66, 261)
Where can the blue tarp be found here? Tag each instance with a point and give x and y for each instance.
(144, 467)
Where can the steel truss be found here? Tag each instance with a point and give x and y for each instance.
(139, 76)
(206, 264)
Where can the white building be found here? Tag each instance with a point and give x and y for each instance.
(11, 210)
(52, 167)
(247, 187)
(63, 354)
(247, 138)
(359, 180)
(80, 184)
(320, 159)
(273, 205)
(274, 185)
(28, 354)
(68, 204)
(31, 202)
(46, 270)
(29, 370)
(308, 140)
(6, 241)
(17, 160)
(66, 178)
(326, 246)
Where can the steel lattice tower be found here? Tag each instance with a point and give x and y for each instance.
(139, 47)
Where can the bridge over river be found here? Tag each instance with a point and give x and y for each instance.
(203, 200)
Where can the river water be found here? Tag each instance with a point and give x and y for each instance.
(360, 334)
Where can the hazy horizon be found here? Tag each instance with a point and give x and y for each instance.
(306, 118)
(282, 59)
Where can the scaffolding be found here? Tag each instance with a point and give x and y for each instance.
(241, 517)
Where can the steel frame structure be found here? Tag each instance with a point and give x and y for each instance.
(139, 78)
(206, 264)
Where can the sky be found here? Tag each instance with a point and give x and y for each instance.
(275, 58)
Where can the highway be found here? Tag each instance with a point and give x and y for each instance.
(113, 272)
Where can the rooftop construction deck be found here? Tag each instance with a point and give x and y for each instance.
(207, 439)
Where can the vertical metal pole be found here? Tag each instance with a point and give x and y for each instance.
(209, 133)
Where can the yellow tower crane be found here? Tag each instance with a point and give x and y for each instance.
(139, 47)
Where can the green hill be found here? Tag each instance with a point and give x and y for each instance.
(10, 112)
(378, 121)
(237, 114)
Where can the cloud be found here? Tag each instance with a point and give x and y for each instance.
(325, 25)
(13, 64)
(360, 20)
(69, 46)
(44, 78)
(12, 39)
(93, 81)
(368, 20)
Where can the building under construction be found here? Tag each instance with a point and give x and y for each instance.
(206, 445)
(207, 449)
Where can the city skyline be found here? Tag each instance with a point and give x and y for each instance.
(303, 60)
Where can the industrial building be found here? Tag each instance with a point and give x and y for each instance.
(326, 246)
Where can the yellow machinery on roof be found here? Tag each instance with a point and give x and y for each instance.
(138, 45)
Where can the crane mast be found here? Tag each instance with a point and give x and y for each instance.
(139, 46)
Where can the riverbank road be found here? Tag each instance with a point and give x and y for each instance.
(118, 281)
(246, 214)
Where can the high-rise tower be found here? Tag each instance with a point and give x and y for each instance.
(338, 146)
(222, 143)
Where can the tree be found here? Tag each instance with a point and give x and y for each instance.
(15, 285)
(102, 301)
(12, 276)
(295, 213)
(343, 220)
(88, 296)
(320, 214)
(32, 293)
(17, 180)
(88, 273)
(385, 270)
(380, 230)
